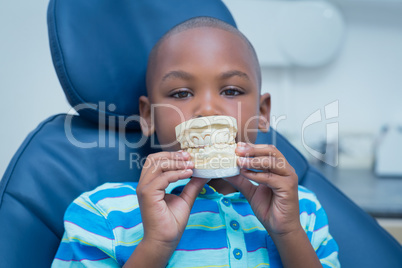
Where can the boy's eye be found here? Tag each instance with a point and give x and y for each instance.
(181, 94)
(231, 91)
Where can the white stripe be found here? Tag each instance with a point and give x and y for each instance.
(107, 263)
(122, 204)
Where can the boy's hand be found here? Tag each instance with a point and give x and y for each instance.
(165, 216)
(275, 200)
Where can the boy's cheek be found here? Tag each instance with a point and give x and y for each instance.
(167, 137)
(248, 128)
(165, 120)
(247, 136)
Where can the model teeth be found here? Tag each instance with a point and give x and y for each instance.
(210, 141)
(206, 137)
(211, 148)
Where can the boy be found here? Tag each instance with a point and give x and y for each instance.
(202, 67)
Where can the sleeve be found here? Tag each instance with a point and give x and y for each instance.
(88, 240)
(315, 222)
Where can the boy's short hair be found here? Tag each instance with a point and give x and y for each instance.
(206, 22)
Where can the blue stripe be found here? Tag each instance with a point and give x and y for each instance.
(124, 219)
(255, 240)
(308, 206)
(321, 219)
(123, 253)
(242, 208)
(209, 190)
(202, 205)
(328, 249)
(274, 257)
(194, 239)
(111, 193)
(86, 220)
(75, 251)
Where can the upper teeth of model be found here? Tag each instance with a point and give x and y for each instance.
(196, 138)
(209, 138)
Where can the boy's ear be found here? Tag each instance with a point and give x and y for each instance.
(147, 126)
(265, 112)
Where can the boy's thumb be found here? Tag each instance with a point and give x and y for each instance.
(192, 189)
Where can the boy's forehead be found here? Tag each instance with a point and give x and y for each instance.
(205, 44)
(193, 38)
(201, 45)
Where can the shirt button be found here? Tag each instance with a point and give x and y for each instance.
(238, 254)
(226, 202)
(235, 225)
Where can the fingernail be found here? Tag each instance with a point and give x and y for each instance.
(241, 144)
(189, 163)
(186, 170)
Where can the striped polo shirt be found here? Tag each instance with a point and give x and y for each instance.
(104, 226)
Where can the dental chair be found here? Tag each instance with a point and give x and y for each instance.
(99, 50)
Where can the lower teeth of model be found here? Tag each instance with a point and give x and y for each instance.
(215, 156)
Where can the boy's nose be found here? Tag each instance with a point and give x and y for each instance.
(207, 105)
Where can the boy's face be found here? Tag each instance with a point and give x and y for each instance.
(203, 72)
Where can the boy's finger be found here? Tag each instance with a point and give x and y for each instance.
(249, 149)
(151, 186)
(154, 159)
(272, 180)
(167, 165)
(273, 164)
(162, 166)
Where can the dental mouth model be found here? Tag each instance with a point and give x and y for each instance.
(211, 143)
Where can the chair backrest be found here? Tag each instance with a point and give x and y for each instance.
(44, 176)
(99, 49)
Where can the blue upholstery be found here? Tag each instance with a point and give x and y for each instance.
(49, 171)
(362, 241)
(44, 176)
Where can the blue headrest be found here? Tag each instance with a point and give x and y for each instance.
(100, 47)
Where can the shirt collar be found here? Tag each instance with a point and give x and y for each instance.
(206, 192)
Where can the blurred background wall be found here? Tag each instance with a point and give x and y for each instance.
(29, 89)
